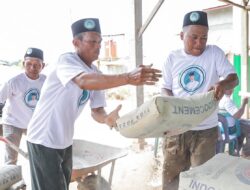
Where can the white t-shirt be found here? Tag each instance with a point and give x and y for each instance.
(61, 102)
(206, 68)
(227, 104)
(21, 95)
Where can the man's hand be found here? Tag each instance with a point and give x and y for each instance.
(144, 75)
(219, 91)
(245, 101)
(228, 83)
(111, 118)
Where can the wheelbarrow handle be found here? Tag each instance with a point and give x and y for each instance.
(13, 146)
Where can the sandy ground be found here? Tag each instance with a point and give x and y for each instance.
(139, 169)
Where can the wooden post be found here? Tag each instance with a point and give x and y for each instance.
(245, 55)
(137, 51)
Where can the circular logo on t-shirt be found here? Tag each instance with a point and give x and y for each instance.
(192, 78)
(83, 98)
(31, 97)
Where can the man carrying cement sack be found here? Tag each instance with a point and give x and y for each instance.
(204, 64)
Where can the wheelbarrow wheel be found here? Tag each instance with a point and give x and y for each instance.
(93, 182)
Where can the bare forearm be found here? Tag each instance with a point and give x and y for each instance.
(142, 75)
(99, 114)
(240, 112)
(95, 81)
(230, 81)
(227, 84)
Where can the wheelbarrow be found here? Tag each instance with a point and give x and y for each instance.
(88, 160)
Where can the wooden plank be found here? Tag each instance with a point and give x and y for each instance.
(151, 16)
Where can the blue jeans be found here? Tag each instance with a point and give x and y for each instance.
(50, 168)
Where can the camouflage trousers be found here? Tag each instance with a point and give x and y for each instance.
(186, 150)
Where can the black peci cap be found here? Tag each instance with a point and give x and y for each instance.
(85, 25)
(34, 52)
(195, 18)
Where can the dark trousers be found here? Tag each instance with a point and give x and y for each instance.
(245, 134)
(50, 168)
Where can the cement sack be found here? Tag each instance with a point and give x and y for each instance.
(222, 172)
(20, 185)
(170, 115)
(9, 175)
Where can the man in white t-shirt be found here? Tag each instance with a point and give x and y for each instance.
(229, 106)
(73, 82)
(207, 63)
(16, 92)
